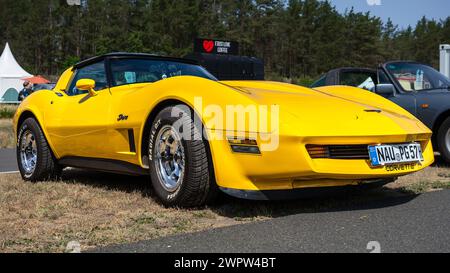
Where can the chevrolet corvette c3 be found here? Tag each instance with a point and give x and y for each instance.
(114, 113)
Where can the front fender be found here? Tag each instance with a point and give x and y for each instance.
(36, 105)
(197, 93)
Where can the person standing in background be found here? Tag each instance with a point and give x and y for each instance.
(26, 91)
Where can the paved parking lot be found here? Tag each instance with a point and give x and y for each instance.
(8, 162)
(400, 224)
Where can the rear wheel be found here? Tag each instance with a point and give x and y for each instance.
(34, 157)
(443, 140)
(179, 167)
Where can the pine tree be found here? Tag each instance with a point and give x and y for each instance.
(295, 38)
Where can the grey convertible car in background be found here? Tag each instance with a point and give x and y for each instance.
(416, 87)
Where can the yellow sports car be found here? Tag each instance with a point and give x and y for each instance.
(170, 119)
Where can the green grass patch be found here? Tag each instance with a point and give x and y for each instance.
(145, 220)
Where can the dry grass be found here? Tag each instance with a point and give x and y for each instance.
(431, 179)
(7, 111)
(44, 217)
(6, 133)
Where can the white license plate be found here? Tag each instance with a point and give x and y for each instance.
(381, 155)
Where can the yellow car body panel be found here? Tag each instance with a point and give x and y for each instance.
(90, 126)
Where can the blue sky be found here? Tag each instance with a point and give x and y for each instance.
(402, 12)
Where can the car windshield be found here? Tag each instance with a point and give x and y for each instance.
(131, 71)
(417, 77)
(47, 86)
(360, 79)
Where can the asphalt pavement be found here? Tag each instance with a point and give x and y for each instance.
(8, 161)
(398, 224)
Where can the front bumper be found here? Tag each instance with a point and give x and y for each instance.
(290, 166)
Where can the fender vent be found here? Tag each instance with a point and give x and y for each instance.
(356, 152)
(131, 140)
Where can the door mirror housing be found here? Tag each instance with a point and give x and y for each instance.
(385, 89)
(88, 85)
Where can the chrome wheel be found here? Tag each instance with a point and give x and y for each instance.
(169, 158)
(28, 152)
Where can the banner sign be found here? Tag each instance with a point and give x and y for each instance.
(216, 47)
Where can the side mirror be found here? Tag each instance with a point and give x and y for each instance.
(385, 89)
(87, 84)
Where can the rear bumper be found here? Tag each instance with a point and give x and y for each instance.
(303, 193)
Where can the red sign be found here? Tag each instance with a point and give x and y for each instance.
(208, 46)
(212, 46)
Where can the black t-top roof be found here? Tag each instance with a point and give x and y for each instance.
(133, 56)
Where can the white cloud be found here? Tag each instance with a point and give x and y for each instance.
(374, 2)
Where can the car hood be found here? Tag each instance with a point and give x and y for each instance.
(310, 112)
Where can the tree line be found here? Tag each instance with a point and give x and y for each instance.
(297, 39)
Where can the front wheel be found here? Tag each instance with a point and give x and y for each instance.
(179, 167)
(443, 140)
(34, 157)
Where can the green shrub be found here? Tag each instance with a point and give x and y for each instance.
(7, 111)
(303, 81)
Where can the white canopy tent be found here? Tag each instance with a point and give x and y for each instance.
(11, 75)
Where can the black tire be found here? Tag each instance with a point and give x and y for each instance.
(443, 146)
(198, 186)
(46, 166)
